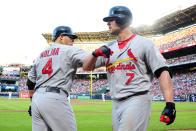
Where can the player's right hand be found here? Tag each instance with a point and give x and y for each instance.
(29, 110)
(102, 51)
(169, 113)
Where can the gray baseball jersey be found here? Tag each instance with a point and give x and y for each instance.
(129, 71)
(55, 67)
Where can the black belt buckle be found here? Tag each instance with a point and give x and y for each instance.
(55, 90)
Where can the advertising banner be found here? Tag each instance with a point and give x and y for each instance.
(15, 71)
(24, 95)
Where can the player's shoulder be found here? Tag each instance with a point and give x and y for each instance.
(144, 41)
(110, 43)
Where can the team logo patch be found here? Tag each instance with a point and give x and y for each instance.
(130, 54)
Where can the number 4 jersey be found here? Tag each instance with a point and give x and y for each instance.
(56, 66)
(130, 70)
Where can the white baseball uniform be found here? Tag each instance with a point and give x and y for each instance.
(130, 72)
(103, 97)
(54, 69)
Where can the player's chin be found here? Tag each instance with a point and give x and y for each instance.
(70, 43)
(114, 31)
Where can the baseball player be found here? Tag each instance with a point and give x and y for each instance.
(131, 64)
(10, 95)
(50, 80)
(103, 97)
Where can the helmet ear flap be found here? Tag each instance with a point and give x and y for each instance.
(118, 21)
(122, 21)
(57, 35)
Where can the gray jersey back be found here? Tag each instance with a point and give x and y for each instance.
(56, 66)
(131, 69)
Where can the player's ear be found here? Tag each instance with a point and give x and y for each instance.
(61, 37)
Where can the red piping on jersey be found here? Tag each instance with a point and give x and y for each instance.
(121, 44)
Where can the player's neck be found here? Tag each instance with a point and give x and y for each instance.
(124, 34)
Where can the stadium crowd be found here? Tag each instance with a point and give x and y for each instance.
(22, 85)
(177, 39)
(83, 86)
(184, 83)
(182, 59)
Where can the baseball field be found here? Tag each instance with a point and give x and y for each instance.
(94, 115)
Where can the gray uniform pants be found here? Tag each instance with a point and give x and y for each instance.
(52, 112)
(132, 114)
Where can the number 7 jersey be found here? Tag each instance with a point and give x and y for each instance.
(56, 66)
(130, 70)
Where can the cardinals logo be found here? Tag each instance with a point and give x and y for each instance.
(130, 54)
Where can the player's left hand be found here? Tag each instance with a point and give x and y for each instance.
(169, 113)
(29, 110)
(102, 51)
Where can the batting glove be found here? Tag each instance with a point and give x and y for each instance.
(102, 51)
(169, 113)
(29, 110)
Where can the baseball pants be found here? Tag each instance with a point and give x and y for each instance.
(52, 112)
(132, 114)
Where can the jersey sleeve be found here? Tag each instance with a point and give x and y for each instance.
(77, 56)
(153, 57)
(101, 61)
(32, 73)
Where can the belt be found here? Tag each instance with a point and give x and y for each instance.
(55, 90)
(52, 89)
(136, 94)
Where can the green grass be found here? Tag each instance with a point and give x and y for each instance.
(15, 121)
(93, 122)
(21, 121)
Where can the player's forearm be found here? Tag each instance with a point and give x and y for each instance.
(31, 87)
(166, 86)
(31, 92)
(89, 63)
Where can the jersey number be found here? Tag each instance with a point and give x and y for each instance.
(131, 77)
(48, 68)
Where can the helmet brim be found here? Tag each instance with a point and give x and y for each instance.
(109, 18)
(72, 35)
